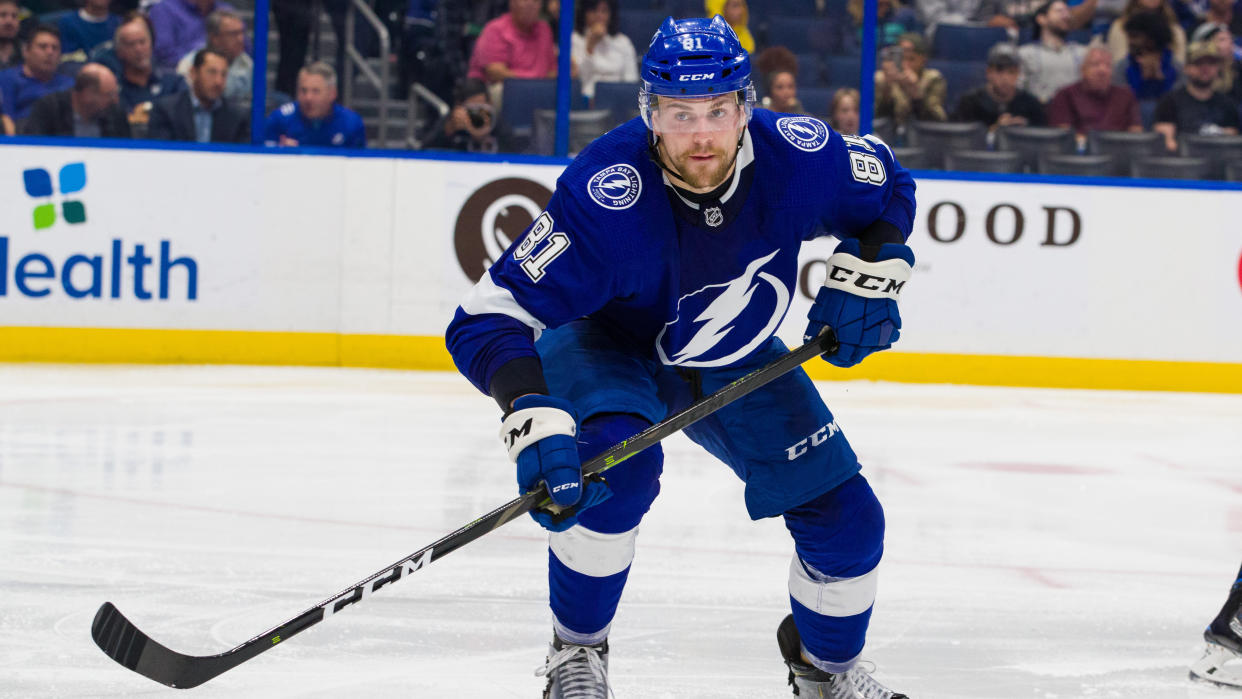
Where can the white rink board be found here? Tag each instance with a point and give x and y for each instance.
(367, 246)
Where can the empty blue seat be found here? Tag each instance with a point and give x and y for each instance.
(810, 70)
(815, 100)
(966, 42)
(523, 96)
(843, 70)
(621, 98)
(799, 34)
(640, 26)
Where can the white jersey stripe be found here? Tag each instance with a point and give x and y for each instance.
(488, 297)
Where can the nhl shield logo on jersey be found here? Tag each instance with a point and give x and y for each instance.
(616, 186)
(713, 216)
(805, 133)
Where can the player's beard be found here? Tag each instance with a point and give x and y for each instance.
(697, 177)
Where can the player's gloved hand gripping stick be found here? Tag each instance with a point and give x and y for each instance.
(129, 646)
(859, 300)
(540, 433)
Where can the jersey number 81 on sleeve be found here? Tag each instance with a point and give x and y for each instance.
(539, 233)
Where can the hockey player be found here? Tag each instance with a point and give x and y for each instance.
(1221, 664)
(658, 273)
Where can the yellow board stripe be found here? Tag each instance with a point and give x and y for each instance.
(115, 345)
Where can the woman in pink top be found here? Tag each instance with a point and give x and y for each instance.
(516, 44)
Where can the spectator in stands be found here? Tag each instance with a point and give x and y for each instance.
(843, 112)
(21, 85)
(82, 31)
(180, 27)
(1094, 103)
(600, 50)
(1224, 14)
(516, 44)
(892, 20)
(201, 114)
(1148, 68)
(780, 92)
(87, 110)
(1118, 32)
(140, 84)
(226, 33)
(550, 12)
(936, 12)
(293, 24)
(10, 47)
(1195, 108)
(315, 119)
(905, 88)
(1229, 83)
(1050, 62)
(999, 102)
(1017, 16)
(473, 125)
(737, 14)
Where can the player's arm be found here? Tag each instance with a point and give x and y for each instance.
(548, 277)
(873, 215)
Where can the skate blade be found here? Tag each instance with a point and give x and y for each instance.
(1211, 668)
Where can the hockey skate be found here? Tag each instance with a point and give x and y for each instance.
(1221, 663)
(576, 672)
(809, 681)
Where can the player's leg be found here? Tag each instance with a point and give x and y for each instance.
(588, 564)
(784, 442)
(1222, 661)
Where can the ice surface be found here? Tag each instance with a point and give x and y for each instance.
(1041, 543)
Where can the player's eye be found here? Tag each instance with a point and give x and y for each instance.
(682, 116)
(719, 113)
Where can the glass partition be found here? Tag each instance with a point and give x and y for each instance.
(1066, 89)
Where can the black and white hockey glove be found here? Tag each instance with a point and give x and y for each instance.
(540, 436)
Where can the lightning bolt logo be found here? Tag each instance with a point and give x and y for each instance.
(615, 184)
(804, 133)
(719, 318)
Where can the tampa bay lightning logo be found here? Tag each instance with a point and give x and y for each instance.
(722, 323)
(616, 186)
(805, 133)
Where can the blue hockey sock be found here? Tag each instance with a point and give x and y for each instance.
(839, 540)
(588, 564)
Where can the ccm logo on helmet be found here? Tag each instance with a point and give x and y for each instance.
(696, 76)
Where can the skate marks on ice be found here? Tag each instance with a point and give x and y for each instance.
(1040, 543)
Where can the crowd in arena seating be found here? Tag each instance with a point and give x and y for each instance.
(174, 70)
(1079, 79)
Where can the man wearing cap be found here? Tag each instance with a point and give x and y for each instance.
(1000, 102)
(1195, 107)
(1050, 62)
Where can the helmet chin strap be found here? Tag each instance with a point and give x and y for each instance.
(653, 149)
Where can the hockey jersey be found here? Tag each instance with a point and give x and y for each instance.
(692, 284)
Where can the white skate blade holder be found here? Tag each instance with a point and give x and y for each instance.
(1212, 667)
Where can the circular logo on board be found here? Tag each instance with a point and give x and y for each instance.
(805, 133)
(616, 186)
(492, 217)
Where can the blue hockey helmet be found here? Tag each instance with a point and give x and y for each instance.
(695, 58)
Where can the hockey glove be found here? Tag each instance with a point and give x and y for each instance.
(859, 300)
(540, 435)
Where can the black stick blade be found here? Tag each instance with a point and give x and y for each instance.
(128, 645)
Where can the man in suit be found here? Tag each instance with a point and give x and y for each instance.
(201, 114)
(89, 109)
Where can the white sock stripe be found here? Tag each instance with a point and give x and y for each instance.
(591, 553)
(832, 596)
(829, 666)
(579, 639)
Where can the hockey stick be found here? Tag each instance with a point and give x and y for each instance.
(129, 646)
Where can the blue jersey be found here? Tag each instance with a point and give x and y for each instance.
(342, 129)
(692, 284)
(18, 91)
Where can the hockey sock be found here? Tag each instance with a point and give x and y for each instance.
(588, 564)
(832, 579)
